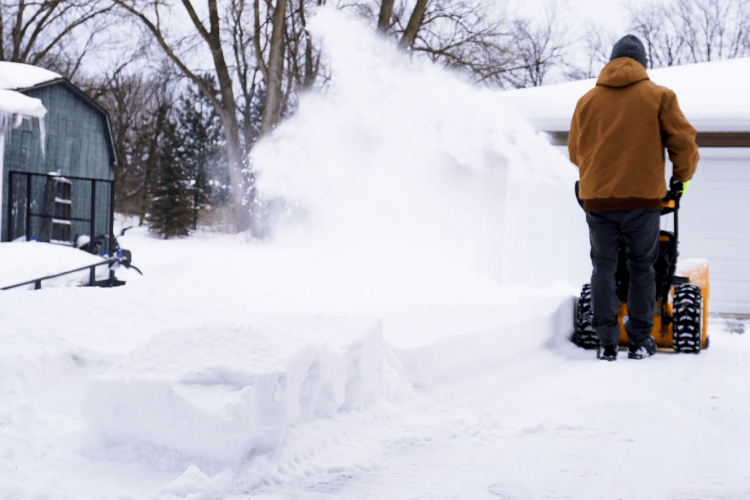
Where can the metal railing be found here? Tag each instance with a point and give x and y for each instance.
(113, 262)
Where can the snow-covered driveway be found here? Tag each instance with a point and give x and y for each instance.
(472, 391)
(555, 424)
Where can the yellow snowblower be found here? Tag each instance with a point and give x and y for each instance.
(681, 316)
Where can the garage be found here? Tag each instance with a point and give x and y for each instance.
(715, 216)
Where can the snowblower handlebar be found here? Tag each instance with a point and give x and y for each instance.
(672, 200)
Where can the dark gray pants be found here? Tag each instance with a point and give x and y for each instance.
(640, 228)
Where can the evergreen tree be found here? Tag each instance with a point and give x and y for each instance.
(170, 210)
(201, 140)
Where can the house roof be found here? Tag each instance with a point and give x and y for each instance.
(713, 96)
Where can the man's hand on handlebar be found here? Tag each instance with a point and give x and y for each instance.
(677, 187)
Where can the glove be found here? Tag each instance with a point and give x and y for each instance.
(678, 187)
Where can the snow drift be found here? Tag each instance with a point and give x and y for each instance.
(221, 391)
(45, 259)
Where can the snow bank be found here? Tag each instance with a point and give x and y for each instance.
(222, 391)
(438, 345)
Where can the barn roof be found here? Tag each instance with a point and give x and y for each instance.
(16, 103)
(713, 96)
(17, 78)
(14, 76)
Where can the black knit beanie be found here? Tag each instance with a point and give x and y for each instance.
(629, 46)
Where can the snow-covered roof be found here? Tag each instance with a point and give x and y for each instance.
(16, 76)
(16, 103)
(713, 96)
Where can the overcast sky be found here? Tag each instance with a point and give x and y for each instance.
(609, 13)
(611, 16)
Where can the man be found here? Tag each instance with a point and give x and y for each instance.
(617, 139)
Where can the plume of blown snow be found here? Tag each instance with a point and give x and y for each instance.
(398, 151)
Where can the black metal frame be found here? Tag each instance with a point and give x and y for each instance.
(91, 221)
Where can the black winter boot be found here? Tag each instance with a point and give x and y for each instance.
(608, 353)
(648, 348)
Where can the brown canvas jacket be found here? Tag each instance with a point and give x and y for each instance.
(617, 139)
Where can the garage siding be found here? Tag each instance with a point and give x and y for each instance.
(715, 224)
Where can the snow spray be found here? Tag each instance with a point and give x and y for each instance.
(397, 152)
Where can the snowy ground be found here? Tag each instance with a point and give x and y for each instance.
(476, 392)
(555, 424)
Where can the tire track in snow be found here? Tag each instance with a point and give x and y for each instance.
(555, 424)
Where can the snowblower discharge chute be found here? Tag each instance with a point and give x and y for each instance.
(681, 315)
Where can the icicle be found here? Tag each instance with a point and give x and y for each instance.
(42, 135)
(16, 107)
(9, 121)
(6, 121)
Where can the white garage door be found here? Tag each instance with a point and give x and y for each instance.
(715, 224)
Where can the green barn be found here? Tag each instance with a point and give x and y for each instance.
(58, 171)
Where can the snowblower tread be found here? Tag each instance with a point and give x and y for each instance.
(687, 321)
(585, 336)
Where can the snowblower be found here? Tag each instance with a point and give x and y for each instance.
(681, 315)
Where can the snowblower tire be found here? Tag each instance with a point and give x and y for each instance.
(687, 321)
(585, 336)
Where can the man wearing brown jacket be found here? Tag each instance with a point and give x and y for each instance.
(617, 139)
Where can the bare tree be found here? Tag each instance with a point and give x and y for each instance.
(139, 106)
(56, 34)
(307, 73)
(714, 29)
(477, 37)
(462, 35)
(416, 20)
(208, 35)
(658, 29)
(271, 58)
(273, 70)
(541, 46)
(246, 66)
(284, 55)
(693, 30)
(385, 15)
(598, 42)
